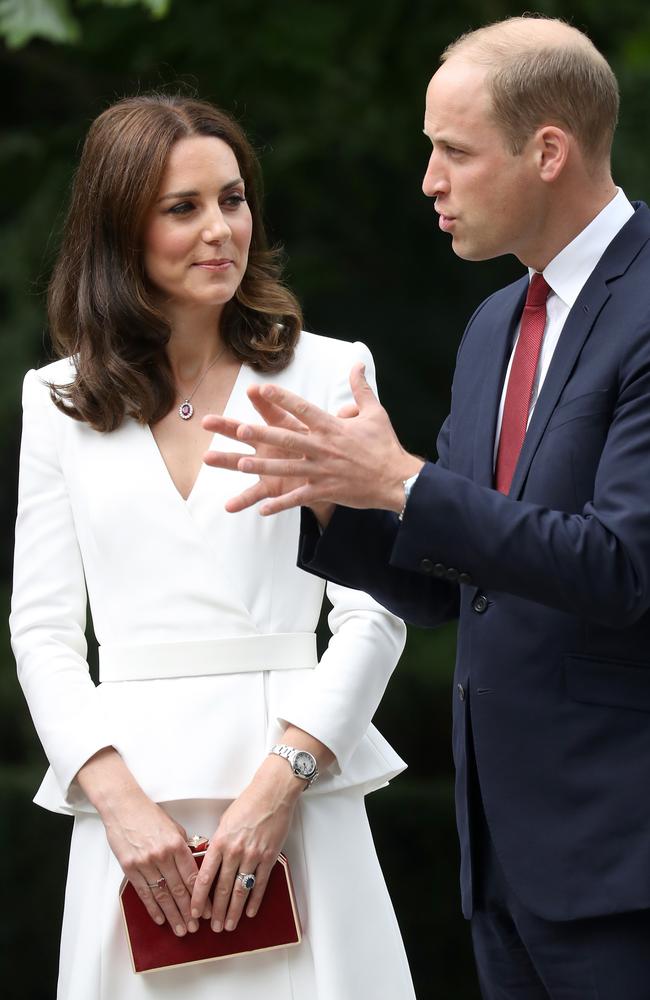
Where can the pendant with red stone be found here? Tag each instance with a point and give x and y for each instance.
(185, 410)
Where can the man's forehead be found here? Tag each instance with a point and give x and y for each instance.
(456, 94)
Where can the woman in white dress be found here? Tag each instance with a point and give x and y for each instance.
(165, 305)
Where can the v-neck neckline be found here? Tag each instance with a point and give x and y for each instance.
(186, 500)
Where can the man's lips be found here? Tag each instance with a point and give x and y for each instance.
(446, 222)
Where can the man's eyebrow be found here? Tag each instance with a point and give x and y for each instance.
(194, 194)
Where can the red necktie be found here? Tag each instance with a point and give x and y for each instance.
(520, 383)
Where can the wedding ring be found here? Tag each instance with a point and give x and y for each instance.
(160, 883)
(247, 881)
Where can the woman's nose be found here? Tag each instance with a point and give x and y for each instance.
(216, 230)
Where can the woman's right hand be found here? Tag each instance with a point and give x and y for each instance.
(149, 845)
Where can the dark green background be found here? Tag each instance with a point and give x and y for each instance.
(332, 95)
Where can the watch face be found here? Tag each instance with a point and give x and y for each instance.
(304, 764)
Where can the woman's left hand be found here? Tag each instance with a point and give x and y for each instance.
(249, 838)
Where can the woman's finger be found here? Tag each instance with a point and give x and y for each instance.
(178, 891)
(240, 894)
(200, 905)
(140, 885)
(156, 885)
(256, 895)
(223, 891)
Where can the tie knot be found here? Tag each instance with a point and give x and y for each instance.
(538, 291)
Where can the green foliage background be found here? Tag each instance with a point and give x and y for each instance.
(332, 95)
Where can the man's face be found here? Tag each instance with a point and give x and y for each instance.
(489, 200)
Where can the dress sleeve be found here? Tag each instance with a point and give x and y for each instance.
(48, 612)
(365, 644)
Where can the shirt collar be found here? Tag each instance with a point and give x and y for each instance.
(568, 272)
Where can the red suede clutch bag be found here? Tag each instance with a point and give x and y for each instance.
(153, 946)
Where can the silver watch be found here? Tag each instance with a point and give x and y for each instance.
(408, 485)
(303, 763)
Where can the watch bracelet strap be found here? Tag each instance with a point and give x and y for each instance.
(282, 750)
(408, 485)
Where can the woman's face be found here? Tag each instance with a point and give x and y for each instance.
(198, 231)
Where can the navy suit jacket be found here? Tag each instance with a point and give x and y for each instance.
(551, 586)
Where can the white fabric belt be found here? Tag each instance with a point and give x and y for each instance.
(234, 655)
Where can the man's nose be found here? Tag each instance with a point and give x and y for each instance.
(435, 180)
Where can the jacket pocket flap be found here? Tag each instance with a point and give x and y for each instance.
(614, 683)
(589, 404)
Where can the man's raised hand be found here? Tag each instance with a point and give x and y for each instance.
(305, 456)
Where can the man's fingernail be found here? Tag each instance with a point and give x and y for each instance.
(193, 926)
(267, 391)
(216, 926)
(180, 930)
(195, 913)
(230, 925)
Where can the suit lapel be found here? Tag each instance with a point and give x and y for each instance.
(580, 321)
(498, 347)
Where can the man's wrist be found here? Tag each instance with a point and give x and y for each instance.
(409, 471)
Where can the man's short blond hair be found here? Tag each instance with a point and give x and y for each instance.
(542, 71)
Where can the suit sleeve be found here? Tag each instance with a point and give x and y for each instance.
(48, 614)
(365, 644)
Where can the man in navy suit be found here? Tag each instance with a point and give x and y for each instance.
(533, 527)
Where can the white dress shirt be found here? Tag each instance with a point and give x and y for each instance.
(566, 275)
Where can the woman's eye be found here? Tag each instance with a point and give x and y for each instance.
(234, 200)
(182, 208)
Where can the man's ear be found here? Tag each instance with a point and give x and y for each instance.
(552, 146)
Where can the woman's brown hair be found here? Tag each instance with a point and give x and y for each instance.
(101, 307)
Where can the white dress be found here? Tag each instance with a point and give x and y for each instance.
(99, 519)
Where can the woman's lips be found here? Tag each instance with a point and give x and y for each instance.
(445, 222)
(214, 265)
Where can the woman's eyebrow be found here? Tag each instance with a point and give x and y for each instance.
(195, 194)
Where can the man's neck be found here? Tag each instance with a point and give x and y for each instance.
(567, 218)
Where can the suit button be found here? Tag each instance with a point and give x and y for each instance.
(439, 570)
(461, 692)
(452, 574)
(464, 578)
(426, 566)
(480, 604)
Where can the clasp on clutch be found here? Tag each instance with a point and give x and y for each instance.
(198, 845)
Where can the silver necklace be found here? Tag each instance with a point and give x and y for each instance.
(186, 410)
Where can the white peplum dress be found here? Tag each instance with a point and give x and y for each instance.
(182, 584)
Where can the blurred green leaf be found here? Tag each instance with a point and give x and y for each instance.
(158, 8)
(22, 20)
(54, 20)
